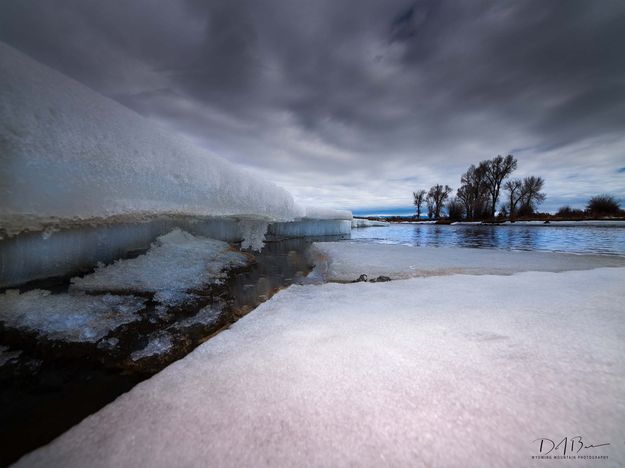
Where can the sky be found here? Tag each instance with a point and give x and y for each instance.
(354, 104)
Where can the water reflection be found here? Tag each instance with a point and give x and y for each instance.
(586, 239)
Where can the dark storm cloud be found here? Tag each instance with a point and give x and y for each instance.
(356, 102)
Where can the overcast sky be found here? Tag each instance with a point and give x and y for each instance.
(356, 103)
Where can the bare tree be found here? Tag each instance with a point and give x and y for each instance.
(438, 194)
(473, 193)
(419, 198)
(429, 202)
(514, 188)
(604, 204)
(531, 194)
(455, 209)
(498, 169)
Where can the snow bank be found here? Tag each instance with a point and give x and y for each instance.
(67, 317)
(455, 371)
(346, 261)
(362, 223)
(70, 154)
(176, 263)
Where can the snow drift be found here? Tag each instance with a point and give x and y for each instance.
(68, 153)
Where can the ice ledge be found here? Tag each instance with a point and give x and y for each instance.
(79, 247)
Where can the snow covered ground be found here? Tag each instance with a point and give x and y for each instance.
(346, 261)
(457, 370)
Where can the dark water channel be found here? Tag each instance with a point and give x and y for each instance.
(51, 386)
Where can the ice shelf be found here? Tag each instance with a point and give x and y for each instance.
(72, 155)
(84, 180)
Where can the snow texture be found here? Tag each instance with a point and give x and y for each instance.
(176, 263)
(455, 371)
(67, 317)
(346, 261)
(362, 223)
(70, 154)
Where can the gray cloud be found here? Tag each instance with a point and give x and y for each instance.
(356, 103)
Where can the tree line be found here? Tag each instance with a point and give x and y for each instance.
(484, 186)
(481, 189)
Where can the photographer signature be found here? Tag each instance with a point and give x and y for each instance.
(566, 445)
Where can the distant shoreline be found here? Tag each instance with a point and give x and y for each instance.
(544, 221)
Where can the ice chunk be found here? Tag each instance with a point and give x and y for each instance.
(346, 261)
(253, 234)
(459, 370)
(176, 262)
(208, 315)
(72, 155)
(67, 317)
(362, 223)
(7, 356)
(159, 343)
(108, 343)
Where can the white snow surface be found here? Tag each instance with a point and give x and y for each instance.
(67, 317)
(70, 154)
(175, 263)
(346, 261)
(455, 371)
